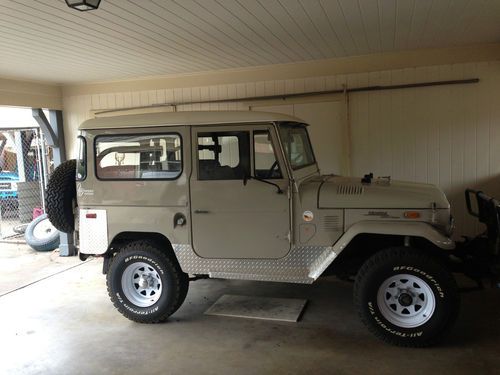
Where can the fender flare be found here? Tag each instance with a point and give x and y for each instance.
(397, 228)
(394, 228)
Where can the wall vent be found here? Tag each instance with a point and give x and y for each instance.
(331, 223)
(350, 190)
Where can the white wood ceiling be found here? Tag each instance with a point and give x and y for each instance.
(45, 40)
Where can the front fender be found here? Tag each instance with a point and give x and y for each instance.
(412, 229)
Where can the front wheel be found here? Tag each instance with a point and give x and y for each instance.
(406, 297)
(145, 284)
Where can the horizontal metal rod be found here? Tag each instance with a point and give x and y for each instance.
(307, 94)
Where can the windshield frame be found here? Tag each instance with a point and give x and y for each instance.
(281, 126)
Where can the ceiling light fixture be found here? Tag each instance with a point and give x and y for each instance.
(83, 5)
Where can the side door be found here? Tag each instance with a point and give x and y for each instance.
(233, 217)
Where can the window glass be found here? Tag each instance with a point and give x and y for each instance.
(266, 165)
(223, 155)
(139, 157)
(297, 145)
(81, 159)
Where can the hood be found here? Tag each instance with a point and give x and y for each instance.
(345, 192)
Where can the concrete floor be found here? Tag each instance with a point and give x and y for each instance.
(65, 324)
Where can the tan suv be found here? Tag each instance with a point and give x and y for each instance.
(167, 198)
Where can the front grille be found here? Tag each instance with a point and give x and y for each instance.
(5, 185)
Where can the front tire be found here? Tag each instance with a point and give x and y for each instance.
(406, 297)
(145, 284)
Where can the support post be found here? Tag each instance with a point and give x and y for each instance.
(54, 133)
(21, 172)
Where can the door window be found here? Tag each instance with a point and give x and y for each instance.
(223, 155)
(266, 164)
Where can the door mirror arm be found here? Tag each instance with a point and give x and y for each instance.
(249, 177)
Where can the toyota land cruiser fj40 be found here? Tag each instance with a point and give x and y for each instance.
(168, 198)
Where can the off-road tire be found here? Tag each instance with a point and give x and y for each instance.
(175, 282)
(184, 290)
(397, 261)
(48, 243)
(61, 196)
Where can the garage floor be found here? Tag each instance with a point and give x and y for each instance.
(66, 324)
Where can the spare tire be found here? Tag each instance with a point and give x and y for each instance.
(41, 235)
(61, 197)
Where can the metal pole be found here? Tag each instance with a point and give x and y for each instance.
(304, 94)
(348, 132)
(21, 172)
(44, 160)
(54, 131)
(40, 171)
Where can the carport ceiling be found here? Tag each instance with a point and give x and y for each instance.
(45, 40)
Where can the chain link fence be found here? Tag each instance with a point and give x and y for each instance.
(24, 168)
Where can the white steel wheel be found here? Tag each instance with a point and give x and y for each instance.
(141, 284)
(406, 300)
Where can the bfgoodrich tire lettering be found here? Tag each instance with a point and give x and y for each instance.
(166, 275)
(420, 268)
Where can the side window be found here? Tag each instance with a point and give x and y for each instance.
(266, 164)
(139, 157)
(223, 155)
(81, 159)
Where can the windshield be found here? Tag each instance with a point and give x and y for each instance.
(297, 145)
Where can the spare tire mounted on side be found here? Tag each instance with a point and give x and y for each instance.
(61, 197)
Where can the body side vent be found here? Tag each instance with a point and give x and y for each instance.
(349, 190)
(331, 223)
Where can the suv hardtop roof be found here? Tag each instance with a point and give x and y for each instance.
(184, 118)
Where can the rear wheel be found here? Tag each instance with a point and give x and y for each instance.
(406, 297)
(145, 284)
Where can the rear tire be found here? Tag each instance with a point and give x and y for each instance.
(145, 283)
(406, 297)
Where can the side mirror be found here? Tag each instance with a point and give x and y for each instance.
(249, 177)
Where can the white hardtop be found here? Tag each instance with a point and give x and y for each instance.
(185, 118)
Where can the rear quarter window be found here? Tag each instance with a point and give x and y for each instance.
(139, 157)
(81, 159)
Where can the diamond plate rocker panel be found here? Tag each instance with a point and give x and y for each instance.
(303, 264)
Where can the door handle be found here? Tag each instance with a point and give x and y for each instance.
(201, 212)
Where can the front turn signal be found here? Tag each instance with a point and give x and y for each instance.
(412, 215)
